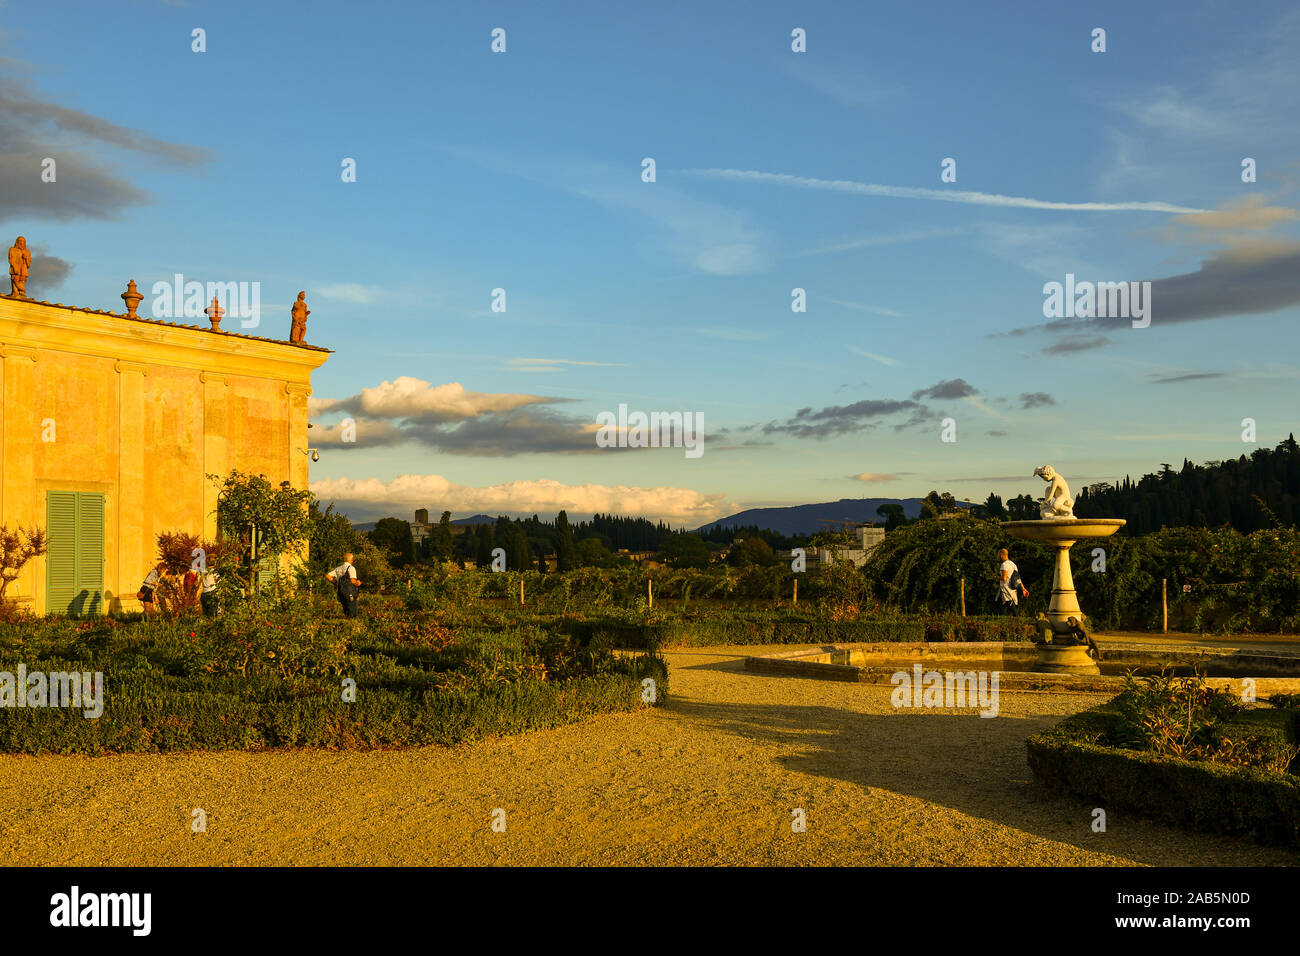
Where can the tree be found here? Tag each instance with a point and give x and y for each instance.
(373, 569)
(521, 557)
(564, 549)
(273, 520)
(1022, 508)
(685, 550)
(752, 552)
(330, 536)
(392, 536)
(893, 516)
(17, 547)
(483, 556)
(592, 553)
(994, 508)
(181, 552)
(442, 543)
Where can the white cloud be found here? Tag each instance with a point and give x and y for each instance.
(709, 237)
(353, 292)
(983, 407)
(1047, 250)
(363, 498)
(870, 242)
(861, 307)
(407, 397)
(849, 84)
(882, 359)
(551, 365)
(734, 335)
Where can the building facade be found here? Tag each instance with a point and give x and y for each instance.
(420, 528)
(110, 423)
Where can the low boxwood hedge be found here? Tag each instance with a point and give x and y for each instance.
(1074, 757)
(739, 628)
(153, 712)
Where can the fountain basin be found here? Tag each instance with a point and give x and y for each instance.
(1064, 530)
(1272, 671)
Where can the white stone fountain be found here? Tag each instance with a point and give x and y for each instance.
(1064, 646)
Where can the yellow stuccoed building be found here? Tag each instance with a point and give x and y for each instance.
(110, 424)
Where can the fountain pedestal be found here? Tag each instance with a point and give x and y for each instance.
(1067, 652)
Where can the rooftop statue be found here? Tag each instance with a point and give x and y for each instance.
(299, 314)
(1057, 503)
(20, 261)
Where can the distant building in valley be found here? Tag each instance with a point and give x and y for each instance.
(420, 527)
(862, 541)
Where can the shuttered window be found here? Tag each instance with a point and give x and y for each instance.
(74, 560)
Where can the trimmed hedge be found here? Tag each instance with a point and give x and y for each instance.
(152, 712)
(739, 628)
(1074, 757)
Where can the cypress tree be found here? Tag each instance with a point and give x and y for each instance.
(564, 552)
(442, 541)
(485, 544)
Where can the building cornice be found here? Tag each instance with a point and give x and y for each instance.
(54, 328)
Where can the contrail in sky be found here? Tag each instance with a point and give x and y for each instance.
(942, 195)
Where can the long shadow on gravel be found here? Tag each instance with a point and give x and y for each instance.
(967, 763)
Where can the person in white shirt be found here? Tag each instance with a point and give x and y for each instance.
(1008, 592)
(150, 586)
(345, 581)
(208, 596)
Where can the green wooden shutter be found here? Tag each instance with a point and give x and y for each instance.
(61, 551)
(74, 560)
(90, 552)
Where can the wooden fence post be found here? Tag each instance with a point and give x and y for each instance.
(961, 589)
(521, 592)
(650, 592)
(796, 591)
(1164, 603)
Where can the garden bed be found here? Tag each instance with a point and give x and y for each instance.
(292, 677)
(1252, 795)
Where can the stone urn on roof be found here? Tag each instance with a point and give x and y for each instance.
(214, 312)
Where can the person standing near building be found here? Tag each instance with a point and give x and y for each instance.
(150, 587)
(345, 581)
(208, 596)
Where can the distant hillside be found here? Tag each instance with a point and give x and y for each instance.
(807, 519)
(475, 519)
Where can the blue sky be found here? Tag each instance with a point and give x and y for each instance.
(775, 170)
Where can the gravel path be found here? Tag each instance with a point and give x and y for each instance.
(711, 778)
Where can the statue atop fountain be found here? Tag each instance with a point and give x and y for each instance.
(1064, 644)
(1057, 503)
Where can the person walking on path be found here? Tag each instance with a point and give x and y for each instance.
(1010, 587)
(345, 581)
